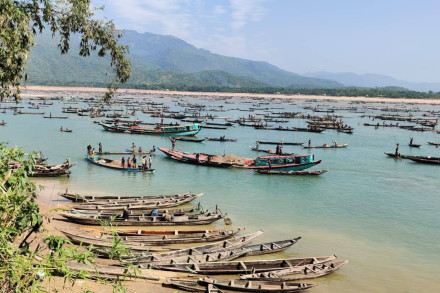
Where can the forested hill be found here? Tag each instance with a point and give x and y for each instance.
(160, 62)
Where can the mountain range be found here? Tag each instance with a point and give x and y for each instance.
(160, 61)
(373, 80)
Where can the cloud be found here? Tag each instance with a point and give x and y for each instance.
(219, 27)
(244, 11)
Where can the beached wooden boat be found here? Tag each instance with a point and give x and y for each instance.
(244, 267)
(114, 164)
(221, 139)
(87, 240)
(165, 239)
(282, 163)
(293, 173)
(326, 146)
(145, 204)
(112, 198)
(46, 170)
(195, 158)
(310, 271)
(109, 272)
(187, 130)
(185, 285)
(178, 236)
(164, 220)
(190, 139)
(232, 253)
(131, 213)
(256, 286)
(203, 251)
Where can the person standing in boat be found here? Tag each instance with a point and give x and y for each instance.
(335, 143)
(133, 147)
(411, 141)
(173, 142)
(89, 150)
(140, 150)
(123, 162)
(99, 147)
(150, 162)
(129, 162)
(144, 163)
(397, 155)
(310, 142)
(134, 161)
(258, 145)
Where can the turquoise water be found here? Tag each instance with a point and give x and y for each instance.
(381, 214)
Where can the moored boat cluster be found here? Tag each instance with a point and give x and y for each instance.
(211, 253)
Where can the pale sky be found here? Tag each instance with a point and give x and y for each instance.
(400, 38)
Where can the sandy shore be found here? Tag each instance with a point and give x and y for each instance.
(48, 199)
(237, 95)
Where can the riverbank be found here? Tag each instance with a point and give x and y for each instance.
(52, 89)
(48, 200)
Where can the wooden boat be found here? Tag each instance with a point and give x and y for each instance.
(114, 164)
(3, 123)
(282, 163)
(426, 160)
(262, 150)
(437, 144)
(183, 138)
(111, 198)
(56, 117)
(185, 285)
(244, 267)
(86, 240)
(46, 170)
(165, 239)
(221, 139)
(314, 172)
(208, 252)
(256, 286)
(413, 145)
(347, 130)
(197, 209)
(279, 142)
(195, 158)
(310, 271)
(119, 205)
(400, 156)
(187, 130)
(326, 146)
(109, 272)
(165, 220)
(268, 151)
(127, 152)
(66, 130)
(213, 127)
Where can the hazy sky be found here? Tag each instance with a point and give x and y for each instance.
(400, 38)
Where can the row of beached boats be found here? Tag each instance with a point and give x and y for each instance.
(220, 254)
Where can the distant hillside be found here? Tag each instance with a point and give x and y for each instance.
(373, 80)
(160, 60)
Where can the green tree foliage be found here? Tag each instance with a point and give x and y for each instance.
(21, 20)
(26, 255)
